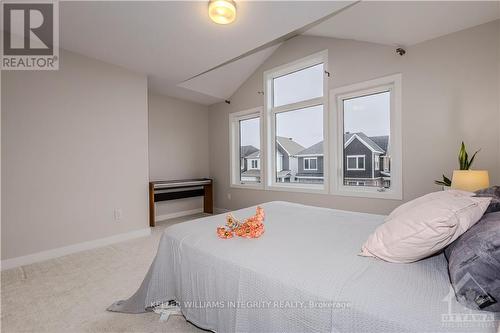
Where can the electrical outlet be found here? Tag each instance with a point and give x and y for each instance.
(118, 214)
(228, 195)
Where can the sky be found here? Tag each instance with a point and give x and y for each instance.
(250, 132)
(368, 114)
(305, 84)
(304, 126)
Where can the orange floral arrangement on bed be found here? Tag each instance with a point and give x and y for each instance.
(252, 227)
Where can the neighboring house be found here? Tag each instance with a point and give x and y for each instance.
(252, 171)
(286, 159)
(286, 162)
(366, 160)
(310, 164)
(244, 152)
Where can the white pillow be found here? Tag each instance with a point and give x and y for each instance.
(426, 198)
(424, 226)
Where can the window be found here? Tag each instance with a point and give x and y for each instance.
(386, 165)
(377, 162)
(356, 162)
(279, 161)
(296, 124)
(306, 84)
(301, 142)
(366, 120)
(310, 163)
(355, 183)
(245, 142)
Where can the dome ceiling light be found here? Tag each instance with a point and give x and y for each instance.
(222, 11)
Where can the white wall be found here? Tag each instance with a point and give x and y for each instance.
(74, 148)
(178, 146)
(450, 93)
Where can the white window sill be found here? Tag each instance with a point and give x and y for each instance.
(295, 187)
(248, 186)
(348, 191)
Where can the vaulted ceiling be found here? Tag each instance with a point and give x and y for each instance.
(406, 22)
(176, 44)
(173, 41)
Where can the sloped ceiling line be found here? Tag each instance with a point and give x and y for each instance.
(278, 40)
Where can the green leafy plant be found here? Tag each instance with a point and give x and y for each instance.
(445, 182)
(463, 158)
(464, 163)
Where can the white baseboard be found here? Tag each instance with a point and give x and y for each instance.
(221, 210)
(178, 214)
(65, 250)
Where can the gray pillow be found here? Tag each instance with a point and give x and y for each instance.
(494, 193)
(474, 265)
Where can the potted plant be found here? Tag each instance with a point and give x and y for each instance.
(464, 163)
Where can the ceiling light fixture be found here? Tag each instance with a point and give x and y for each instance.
(222, 11)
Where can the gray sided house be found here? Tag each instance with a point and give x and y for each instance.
(245, 151)
(286, 162)
(366, 160)
(251, 173)
(310, 164)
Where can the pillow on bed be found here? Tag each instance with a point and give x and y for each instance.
(494, 193)
(424, 226)
(427, 198)
(474, 265)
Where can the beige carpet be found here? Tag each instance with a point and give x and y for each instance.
(71, 293)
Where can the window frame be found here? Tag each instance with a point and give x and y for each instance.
(357, 162)
(376, 162)
(270, 123)
(310, 159)
(385, 162)
(234, 147)
(392, 83)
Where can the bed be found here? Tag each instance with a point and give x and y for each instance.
(303, 275)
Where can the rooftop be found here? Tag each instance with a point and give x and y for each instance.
(316, 149)
(367, 140)
(247, 150)
(289, 145)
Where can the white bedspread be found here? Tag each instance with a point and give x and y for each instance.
(302, 275)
